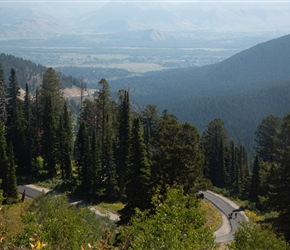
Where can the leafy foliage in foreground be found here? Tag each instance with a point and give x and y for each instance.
(52, 220)
(177, 223)
(253, 236)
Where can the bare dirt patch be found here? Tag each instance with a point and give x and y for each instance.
(75, 92)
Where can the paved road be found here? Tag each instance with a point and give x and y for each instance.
(32, 191)
(225, 206)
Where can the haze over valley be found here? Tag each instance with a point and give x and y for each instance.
(137, 36)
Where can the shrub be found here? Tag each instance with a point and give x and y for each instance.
(51, 219)
(177, 223)
(253, 236)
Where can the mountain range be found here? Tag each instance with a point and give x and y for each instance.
(44, 19)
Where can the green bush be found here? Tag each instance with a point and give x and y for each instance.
(51, 219)
(177, 223)
(253, 236)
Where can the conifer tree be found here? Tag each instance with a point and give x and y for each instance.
(65, 143)
(109, 171)
(255, 181)
(265, 135)
(237, 179)
(87, 167)
(15, 122)
(213, 141)
(245, 176)
(36, 124)
(90, 117)
(3, 115)
(84, 159)
(11, 191)
(104, 122)
(138, 187)
(49, 138)
(123, 139)
(4, 164)
(51, 108)
(97, 180)
(150, 120)
(238, 172)
(61, 150)
(233, 165)
(29, 132)
(103, 105)
(176, 155)
(79, 148)
(105, 132)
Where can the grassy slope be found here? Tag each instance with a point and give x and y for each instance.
(213, 216)
(10, 219)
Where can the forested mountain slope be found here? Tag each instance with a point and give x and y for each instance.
(241, 90)
(260, 65)
(29, 72)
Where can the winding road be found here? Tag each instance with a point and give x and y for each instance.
(223, 234)
(32, 191)
(225, 206)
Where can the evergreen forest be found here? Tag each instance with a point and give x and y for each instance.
(145, 159)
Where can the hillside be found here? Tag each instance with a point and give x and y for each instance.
(29, 23)
(241, 90)
(264, 63)
(29, 72)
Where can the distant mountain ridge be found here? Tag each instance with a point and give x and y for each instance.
(264, 63)
(241, 90)
(43, 19)
(24, 23)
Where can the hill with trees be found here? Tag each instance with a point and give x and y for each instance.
(30, 72)
(240, 90)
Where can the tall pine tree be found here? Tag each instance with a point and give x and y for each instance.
(65, 145)
(123, 139)
(84, 159)
(255, 181)
(4, 163)
(15, 122)
(98, 187)
(29, 132)
(49, 138)
(265, 135)
(110, 171)
(3, 115)
(51, 108)
(138, 187)
(213, 141)
(12, 191)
